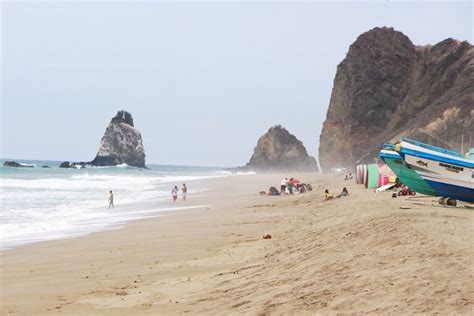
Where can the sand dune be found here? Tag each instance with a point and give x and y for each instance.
(367, 253)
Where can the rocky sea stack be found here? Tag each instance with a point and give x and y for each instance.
(121, 143)
(387, 87)
(278, 150)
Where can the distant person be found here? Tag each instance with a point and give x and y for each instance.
(174, 193)
(283, 186)
(301, 187)
(273, 191)
(111, 199)
(327, 195)
(290, 186)
(343, 193)
(184, 191)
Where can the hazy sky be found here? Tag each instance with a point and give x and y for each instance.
(202, 80)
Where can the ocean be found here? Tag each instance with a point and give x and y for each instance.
(39, 204)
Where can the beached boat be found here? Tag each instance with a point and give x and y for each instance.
(446, 171)
(404, 172)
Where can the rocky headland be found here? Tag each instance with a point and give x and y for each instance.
(121, 144)
(278, 150)
(387, 87)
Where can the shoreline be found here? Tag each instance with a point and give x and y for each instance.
(88, 216)
(149, 213)
(364, 253)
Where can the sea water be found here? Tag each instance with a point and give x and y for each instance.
(40, 204)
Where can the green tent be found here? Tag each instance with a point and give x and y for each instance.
(373, 182)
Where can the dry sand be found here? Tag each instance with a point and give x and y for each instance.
(367, 253)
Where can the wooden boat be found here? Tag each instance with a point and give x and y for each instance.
(406, 174)
(447, 172)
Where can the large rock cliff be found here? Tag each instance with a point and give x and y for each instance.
(121, 143)
(278, 150)
(387, 87)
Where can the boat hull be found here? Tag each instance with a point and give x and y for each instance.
(453, 191)
(406, 175)
(449, 175)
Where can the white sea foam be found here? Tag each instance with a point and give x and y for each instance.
(94, 182)
(246, 173)
(56, 203)
(223, 173)
(238, 173)
(73, 222)
(28, 165)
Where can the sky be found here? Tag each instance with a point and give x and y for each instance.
(203, 80)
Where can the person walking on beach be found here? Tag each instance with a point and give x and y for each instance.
(283, 186)
(174, 193)
(184, 189)
(111, 199)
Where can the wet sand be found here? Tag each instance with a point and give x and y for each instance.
(367, 253)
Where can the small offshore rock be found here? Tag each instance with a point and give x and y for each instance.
(15, 164)
(65, 164)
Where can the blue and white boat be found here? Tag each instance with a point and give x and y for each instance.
(447, 172)
(407, 175)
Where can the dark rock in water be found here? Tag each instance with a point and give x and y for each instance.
(45, 166)
(387, 87)
(76, 165)
(15, 164)
(121, 143)
(65, 164)
(278, 150)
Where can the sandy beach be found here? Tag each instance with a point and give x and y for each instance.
(367, 253)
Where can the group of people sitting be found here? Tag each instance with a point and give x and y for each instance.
(292, 185)
(329, 196)
(289, 186)
(348, 176)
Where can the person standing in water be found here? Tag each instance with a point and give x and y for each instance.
(174, 193)
(184, 189)
(111, 199)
